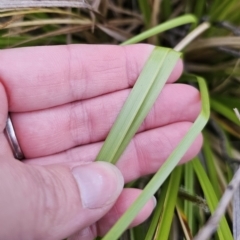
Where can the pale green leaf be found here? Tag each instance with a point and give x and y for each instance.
(188, 18)
(166, 168)
(143, 95)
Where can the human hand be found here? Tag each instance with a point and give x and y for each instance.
(63, 101)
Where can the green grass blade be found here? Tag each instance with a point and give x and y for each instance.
(215, 4)
(166, 218)
(166, 9)
(142, 97)
(189, 185)
(145, 10)
(212, 200)
(222, 10)
(158, 210)
(199, 8)
(131, 233)
(165, 206)
(219, 9)
(139, 232)
(166, 168)
(231, 102)
(188, 18)
(211, 169)
(225, 111)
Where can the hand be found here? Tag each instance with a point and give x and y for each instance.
(63, 101)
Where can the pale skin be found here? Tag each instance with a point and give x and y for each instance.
(63, 101)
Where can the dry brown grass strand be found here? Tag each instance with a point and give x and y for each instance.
(233, 41)
(13, 4)
(66, 30)
(38, 10)
(46, 22)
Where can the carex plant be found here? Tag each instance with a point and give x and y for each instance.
(205, 34)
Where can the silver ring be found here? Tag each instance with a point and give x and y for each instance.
(17, 152)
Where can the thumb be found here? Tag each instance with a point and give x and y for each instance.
(53, 202)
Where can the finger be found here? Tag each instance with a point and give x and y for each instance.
(127, 197)
(55, 201)
(55, 130)
(125, 200)
(3, 108)
(44, 77)
(144, 155)
(4, 146)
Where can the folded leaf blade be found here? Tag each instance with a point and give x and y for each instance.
(141, 99)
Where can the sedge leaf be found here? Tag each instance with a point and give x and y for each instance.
(185, 19)
(143, 95)
(170, 201)
(212, 199)
(166, 168)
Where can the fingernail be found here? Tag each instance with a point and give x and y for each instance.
(99, 183)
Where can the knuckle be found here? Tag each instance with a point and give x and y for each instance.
(80, 124)
(48, 197)
(53, 197)
(75, 71)
(74, 121)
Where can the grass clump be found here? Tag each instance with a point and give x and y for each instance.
(212, 53)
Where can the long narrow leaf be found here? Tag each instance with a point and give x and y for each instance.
(166, 218)
(166, 168)
(224, 110)
(199, 8)
(223, 231)
(188, 18)
(142, 97)
(157, 211)
(146, 10)
(230, 102)
(189, 185)
(166, 9)
(210, 162)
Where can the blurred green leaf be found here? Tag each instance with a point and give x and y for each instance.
(145, 10)
(188, 18)
(210, 162)
(224, 110)
(189, 185)
(166, 216)
(211, 197)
